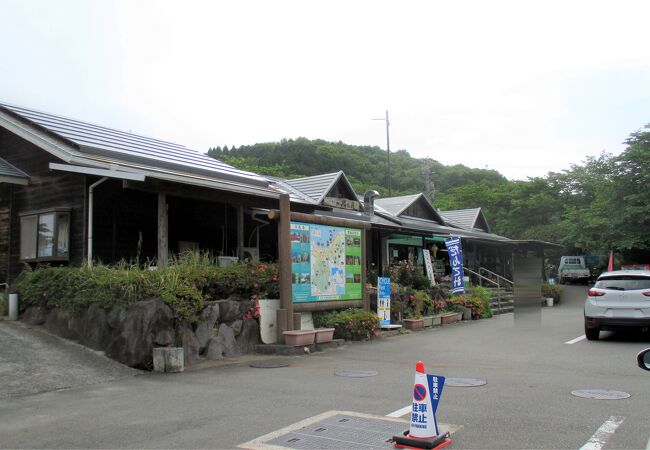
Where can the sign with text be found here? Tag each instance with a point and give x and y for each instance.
(326, 263)
(456, 262)
(383, 301)
(428, 265)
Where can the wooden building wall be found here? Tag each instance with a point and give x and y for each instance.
(46, 189)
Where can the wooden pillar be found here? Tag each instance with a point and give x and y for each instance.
(284, 245)
(163, 245)
(240, 232)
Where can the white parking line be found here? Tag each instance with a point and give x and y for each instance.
(647, 447)
(603, 434)
(401, 412)
(578, 339)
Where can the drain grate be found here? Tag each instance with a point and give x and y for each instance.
(600, 394)
(464, 382)
(352, 373)
(269, 364)
(342, 431)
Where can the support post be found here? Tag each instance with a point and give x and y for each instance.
(284, 238)
(240, 232)
(364, 270)
(163, 246)
(281, 323)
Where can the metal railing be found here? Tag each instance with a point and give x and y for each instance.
(494, 274)
(481, 278)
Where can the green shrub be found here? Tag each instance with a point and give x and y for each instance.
(552, 290)
(408, 275)
(476, 298)
(184, 285)
(349, 324)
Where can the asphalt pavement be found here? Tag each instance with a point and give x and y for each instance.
(530, 372)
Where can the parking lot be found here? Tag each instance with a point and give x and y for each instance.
(527, 402)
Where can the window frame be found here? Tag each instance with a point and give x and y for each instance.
(57, 212)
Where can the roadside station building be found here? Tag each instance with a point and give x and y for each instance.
(72, 191)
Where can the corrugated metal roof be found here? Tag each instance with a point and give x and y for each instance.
(466, 218)
(396, 205)
(317, 186)
(91, 139)
(427, 225)
(295, 195)
(9, 171)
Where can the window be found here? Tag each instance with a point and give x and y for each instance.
(45, 235)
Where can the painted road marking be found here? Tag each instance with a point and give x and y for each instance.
(603, 434)
(401, 412)
(647, 447)
(578, 339)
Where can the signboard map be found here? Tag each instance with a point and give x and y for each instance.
(326, 263)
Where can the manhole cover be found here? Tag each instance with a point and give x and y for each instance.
(464, 382)
(600, 394)
(269, 364)
(355, 373)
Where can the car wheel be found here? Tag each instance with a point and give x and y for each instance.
(592, 333)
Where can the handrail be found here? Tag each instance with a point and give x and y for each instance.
(495, 274)
(496, 283)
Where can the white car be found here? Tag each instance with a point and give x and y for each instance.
(619, 300)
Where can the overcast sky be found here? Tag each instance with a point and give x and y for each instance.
(521, 87)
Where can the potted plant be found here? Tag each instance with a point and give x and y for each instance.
(413, 311)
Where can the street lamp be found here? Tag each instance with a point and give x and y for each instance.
(390, 188)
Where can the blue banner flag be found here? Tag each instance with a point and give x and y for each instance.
(456, 262)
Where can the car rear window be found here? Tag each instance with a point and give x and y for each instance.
(624, 283)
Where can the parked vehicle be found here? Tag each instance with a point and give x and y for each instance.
(643, 359)
(635, 267)
(573, 269)
(619, 300)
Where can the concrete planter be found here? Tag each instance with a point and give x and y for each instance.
(451, 318)
(467, 314)
(168, 359)
(324, 335)
(299, 337)
(413, 324)
(432, 321)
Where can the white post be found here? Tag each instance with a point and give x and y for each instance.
(13, 306)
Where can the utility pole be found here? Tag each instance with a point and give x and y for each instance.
(390, 187)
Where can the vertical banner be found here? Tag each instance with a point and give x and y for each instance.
(456, 263)
(428, 266)
(383, 301)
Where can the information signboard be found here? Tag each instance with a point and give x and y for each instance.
(326, 263)
(383, 301)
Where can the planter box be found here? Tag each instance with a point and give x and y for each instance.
(432, 321)
(413, 324)
(467, 314)
(299, 337)
(451, 318)
(324, 335)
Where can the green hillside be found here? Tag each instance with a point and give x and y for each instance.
(592, 207)
(365, 166)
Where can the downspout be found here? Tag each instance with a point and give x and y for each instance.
(90, 218)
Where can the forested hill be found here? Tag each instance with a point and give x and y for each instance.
(592, 207)
(365, 166)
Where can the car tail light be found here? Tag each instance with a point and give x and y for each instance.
(595, 293)
(647, 293)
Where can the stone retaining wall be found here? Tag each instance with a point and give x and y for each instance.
(128, 335)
